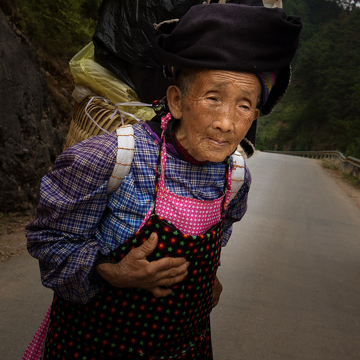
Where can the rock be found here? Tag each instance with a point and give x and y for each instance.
(29, 136)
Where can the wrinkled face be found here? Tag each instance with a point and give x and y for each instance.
(216, 113)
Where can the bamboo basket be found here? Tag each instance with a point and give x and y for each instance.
(82, 127)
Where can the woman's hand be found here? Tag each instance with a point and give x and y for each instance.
(216, 291)
(134, 270)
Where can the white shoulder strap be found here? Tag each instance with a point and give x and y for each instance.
(237, 173)
(124, 157)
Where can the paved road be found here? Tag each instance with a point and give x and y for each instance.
(23, 304)
(291, 274)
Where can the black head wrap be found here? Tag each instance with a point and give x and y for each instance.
(233, 37)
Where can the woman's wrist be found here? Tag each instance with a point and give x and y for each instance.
(103, 269)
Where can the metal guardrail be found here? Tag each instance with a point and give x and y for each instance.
(349, 164)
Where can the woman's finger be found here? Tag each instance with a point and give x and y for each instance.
(163, 276)
(169, 263)
(160, 292)
(146, 248)
(172, 280)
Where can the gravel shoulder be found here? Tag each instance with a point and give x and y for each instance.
(344, 184)
(13, 240)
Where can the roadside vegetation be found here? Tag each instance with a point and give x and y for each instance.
(57, 29)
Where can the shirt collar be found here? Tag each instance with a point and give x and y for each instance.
(172, 143)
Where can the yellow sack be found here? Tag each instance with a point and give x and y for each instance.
(88, 72)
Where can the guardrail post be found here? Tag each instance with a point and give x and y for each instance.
(355, 172)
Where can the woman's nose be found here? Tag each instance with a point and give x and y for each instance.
(224, 121)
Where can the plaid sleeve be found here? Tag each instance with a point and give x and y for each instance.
(237, 207)
(72, 201)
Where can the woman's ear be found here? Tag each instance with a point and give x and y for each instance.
(174, 97)
(256, 114)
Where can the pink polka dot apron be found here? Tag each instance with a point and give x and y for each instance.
(131, 323)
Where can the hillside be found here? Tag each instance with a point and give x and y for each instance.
(321, 109)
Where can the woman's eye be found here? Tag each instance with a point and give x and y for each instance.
(212, 98)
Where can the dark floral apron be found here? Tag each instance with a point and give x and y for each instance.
(131, 323)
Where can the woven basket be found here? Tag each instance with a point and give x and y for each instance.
(81, 126)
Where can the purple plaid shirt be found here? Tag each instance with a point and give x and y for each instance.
(76, 221)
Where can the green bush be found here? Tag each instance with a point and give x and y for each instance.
(60, 28)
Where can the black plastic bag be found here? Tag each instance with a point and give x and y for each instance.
(124, 40)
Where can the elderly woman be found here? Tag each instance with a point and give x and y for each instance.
(134, 273)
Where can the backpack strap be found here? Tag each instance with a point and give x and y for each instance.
(237, 173)
(124, 156)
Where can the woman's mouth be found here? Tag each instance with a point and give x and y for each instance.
(218, 142)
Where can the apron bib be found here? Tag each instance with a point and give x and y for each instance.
(131, 323)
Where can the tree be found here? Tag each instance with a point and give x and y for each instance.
(322, 108)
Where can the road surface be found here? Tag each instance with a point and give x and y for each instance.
(23, 304)
(291, 273)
